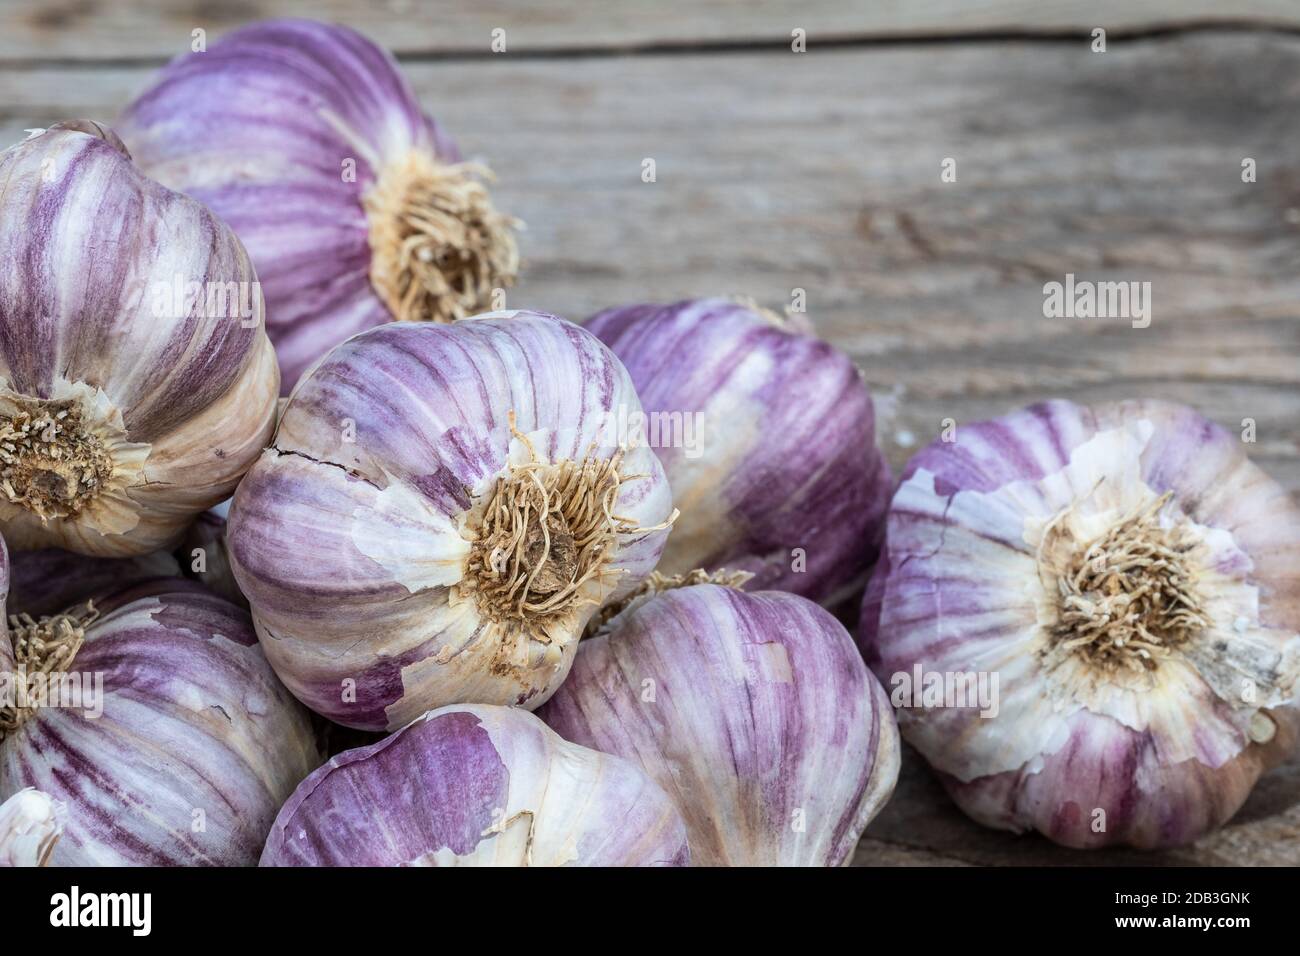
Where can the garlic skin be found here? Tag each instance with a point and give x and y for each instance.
(477, 785)
(354, 205)
(126, 407)
(377, 538)
(782, 478)
(183, 745)
(50, 581)
(752, 710)
(30, 824)
(1046, 548)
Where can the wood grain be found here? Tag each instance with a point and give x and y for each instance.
(821, 171)
(157, 30)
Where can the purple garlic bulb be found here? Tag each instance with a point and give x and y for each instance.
(136, 381)
(767, 435)
(753, 711)
(354, 205)
(153, 717)
(1088, 617)
(50, 581)
(442, 511)
(477, 786)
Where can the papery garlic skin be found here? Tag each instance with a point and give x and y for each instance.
(183, 746)
(359, 537)
(308, 140)
(471, 785)
(126, 406)
(30, 824)
(767, 435)
(1092, 743)
(752, 710)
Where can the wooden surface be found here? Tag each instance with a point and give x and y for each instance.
(119, 31)
(821, 171)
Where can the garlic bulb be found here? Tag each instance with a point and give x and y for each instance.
(443, 509)
(477, 786)
(1126, 583)
(155, 719)
(136, 383)
(50, 581)
(752, 710)
(30, 824)
(356, 207)
(767, 435)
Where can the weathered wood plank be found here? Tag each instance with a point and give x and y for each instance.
(920, 826)
(159, 29)
(820, 171)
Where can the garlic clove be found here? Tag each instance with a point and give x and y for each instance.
(479, 786)
(751, 709)
(30, 825)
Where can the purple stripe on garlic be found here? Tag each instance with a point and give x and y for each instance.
(767, 435)
(752, 710)
(136, 381)
(354, 205)
(389, 541)
(158, 724)
(1130, 577)
(477, 786)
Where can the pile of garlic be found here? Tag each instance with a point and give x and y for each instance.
(492, 588)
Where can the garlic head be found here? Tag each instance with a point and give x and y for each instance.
(1128, 579)
(442, 511)
(137, 383)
